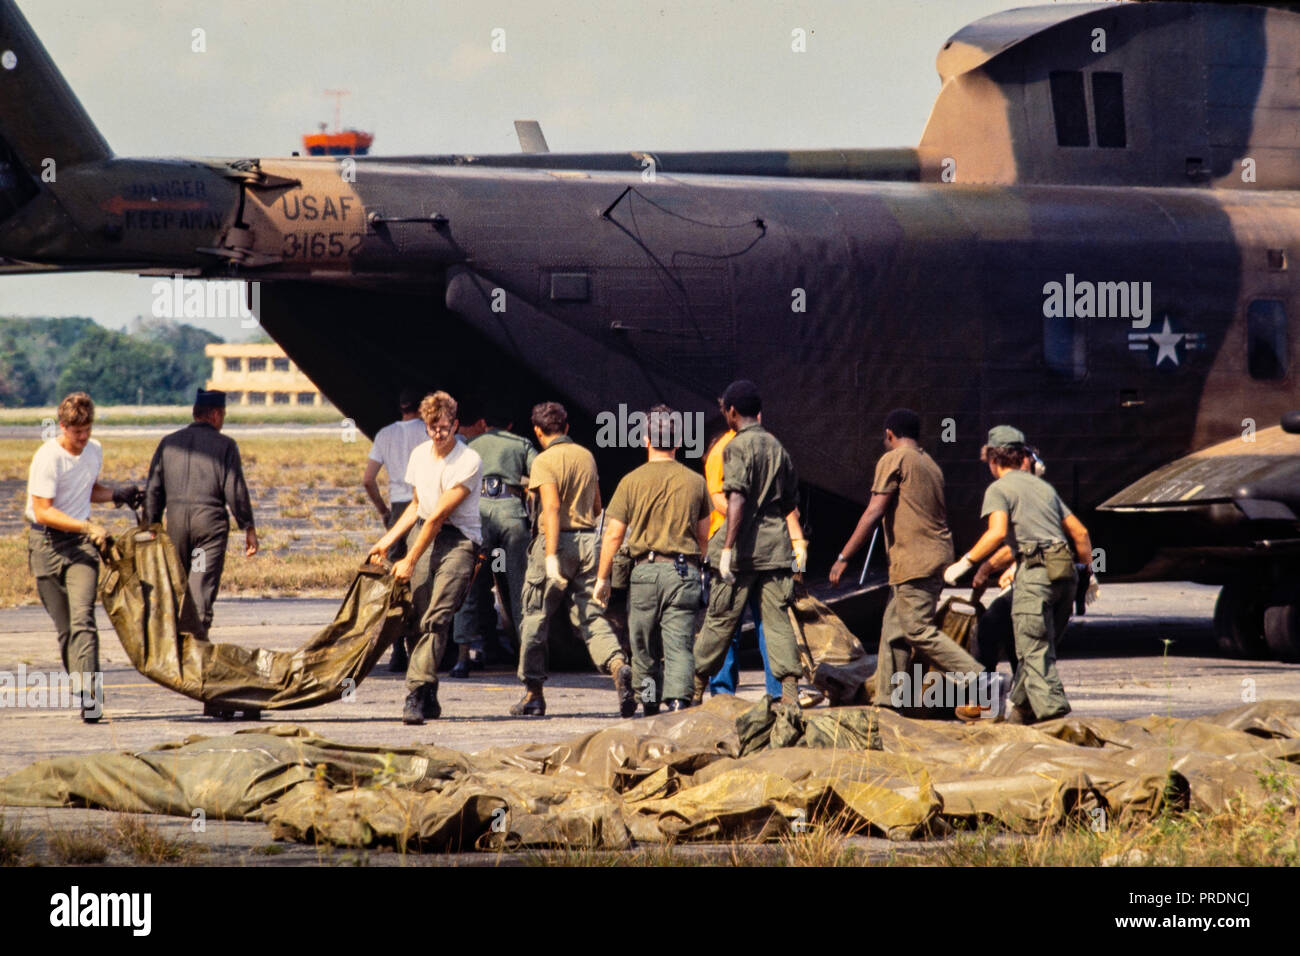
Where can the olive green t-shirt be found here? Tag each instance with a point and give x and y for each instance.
(755, 464)
(660, 502)
(505, 454)
(572, 469)
(916, 521)
(1035, 512)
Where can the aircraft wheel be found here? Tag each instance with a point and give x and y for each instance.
(1282, 631)
(1239, 622)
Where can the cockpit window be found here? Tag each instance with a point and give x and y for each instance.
(1069, 108)
(1108, 105)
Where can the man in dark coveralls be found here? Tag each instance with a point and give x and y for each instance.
(196, 475)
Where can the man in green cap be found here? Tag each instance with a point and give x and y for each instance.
(753, 551)
(1025, 512)
(507, 459)
(662, 511)
(907, 500)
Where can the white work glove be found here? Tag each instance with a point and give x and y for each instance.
(1093, 592)
(601, 593)
(1007, 577)
(800, 546)
(724, 567)
(957, 569)
(553, 571)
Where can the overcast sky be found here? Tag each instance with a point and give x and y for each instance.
(597, 74)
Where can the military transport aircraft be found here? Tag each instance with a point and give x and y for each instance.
(1094, 240)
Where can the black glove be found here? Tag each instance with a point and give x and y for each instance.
(128, 495)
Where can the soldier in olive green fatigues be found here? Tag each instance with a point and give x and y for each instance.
(1044, 535)
(507, 459)
(1040, 606)
(661, 512)
(758, 468)
(570, 470)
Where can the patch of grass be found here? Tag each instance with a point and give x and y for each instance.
(288, 476)
(13, 843)
(821, 846)
(80, 846)
(271, 849)
(144, 842)
(181, 415)
(1268, 835)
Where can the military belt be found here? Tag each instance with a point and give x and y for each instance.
(650, 557)
(496, 487)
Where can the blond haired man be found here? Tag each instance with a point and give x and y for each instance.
(445, 478)
(63, 543)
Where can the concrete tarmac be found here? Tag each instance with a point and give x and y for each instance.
(1142, 649)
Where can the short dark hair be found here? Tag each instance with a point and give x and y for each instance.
(743, 396)
(662, 426)
(408, 399)
(904, 423)
(201, 411)
(550, 417)
(1004, 456)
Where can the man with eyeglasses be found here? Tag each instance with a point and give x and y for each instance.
(445, 478)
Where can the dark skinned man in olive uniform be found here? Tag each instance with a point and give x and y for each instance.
(754, 550)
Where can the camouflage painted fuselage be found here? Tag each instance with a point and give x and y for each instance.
(1065, 251)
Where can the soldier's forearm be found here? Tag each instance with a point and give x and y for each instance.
(735, 512)
(612, 541)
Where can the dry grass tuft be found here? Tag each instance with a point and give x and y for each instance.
(13, 843)
(80, 846)
(145, 843)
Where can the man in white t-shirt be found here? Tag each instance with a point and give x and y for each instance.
(63, 543)
(445, 478)
(391, 451)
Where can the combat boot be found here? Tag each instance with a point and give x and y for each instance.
(431, 709)
(623, 685)
(460, 670)
(413, 709)
(650, 708)
(532, 704)
(91, 708)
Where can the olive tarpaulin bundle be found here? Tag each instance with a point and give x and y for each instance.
(143, 590)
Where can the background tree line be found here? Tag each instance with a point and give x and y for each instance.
(155, 362)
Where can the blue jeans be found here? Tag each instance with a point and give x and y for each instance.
(728, 676)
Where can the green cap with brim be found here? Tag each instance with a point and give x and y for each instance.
(1001, 436)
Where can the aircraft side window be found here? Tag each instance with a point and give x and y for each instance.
(1108, 104)
(1069, 108)
(1064, 347)
(1266, 339)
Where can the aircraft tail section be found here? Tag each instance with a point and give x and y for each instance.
(43, 126)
